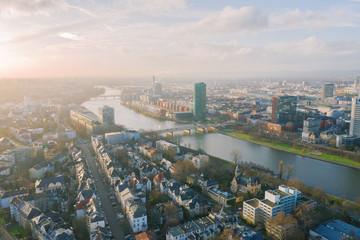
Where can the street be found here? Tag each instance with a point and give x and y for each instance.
(103, 190)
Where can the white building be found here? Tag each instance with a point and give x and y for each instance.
(355, 117)
(283, 199)
(162, 145)
(136, 214)
(121, 137)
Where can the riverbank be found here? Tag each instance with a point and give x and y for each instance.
(302, 152)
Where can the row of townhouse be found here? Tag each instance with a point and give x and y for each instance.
(87, 205)
(202, 228)
(184, 196)
(47, 226)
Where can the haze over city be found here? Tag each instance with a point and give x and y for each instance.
(178, 38)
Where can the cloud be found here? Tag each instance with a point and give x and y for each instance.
(70, 36)
(294, 19)
(153, 6)
(35, 36)
(9, 8)
(229, 20)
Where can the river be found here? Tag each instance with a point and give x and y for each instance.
(334, 179)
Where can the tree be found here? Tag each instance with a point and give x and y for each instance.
(289, 171)
(284, 228)
(182, 169)
(80, 228)
(171, 213)
(28, 231)
(236, 156)
(228, 234)
(319, 195)
(281, 167)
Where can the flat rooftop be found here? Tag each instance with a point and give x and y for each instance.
(269, 203)
(253, 202)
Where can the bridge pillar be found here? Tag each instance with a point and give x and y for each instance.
(211, 129)
(169, 134)
(187, 132)
(200, 130)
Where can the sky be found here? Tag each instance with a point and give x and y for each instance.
(176, 38)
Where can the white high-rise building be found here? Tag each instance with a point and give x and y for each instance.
(355, 118)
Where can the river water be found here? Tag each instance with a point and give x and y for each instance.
(334, 179)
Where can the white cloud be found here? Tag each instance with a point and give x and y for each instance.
(29, 7)
(153, 6)
(229, 20)
(70, 36)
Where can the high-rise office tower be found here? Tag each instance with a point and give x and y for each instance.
(357, 82)
(156, 88)
(200, 101)
(355, 117)
(283, 109)
(327, 90)
(106, 115)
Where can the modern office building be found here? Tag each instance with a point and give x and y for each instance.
(327, 90)
(355, 117)
(283, 109)
(200, 101)
(283, 199)
(156, 88)
(106, 115)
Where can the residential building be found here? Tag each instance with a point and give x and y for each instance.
(23, 154)
(244, 183)
(334, 230)
(148, 235)
(200, 101)
(162, 145)
(283, 199)
(51, 183)
(283, 109)
(38, 171)
(355, 118)
(136, 214)
(202, 228)
(106, 115)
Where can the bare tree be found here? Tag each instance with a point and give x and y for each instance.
(289, 171)
(236, 156)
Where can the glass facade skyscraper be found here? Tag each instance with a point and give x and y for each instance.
(200, 101)
(283, 109)
(106, 115)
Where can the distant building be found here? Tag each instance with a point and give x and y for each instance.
(355, 117)
(23, 154)
(200, 101)
(121, 137)
(156, 88)
(327, 90)
(283, 109)
(335, 229)
(106, 115)
(162, 145)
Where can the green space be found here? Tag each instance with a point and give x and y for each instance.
(5, 218)
(17, 230)
(300, 151)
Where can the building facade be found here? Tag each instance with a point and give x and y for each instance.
(355, 117)
(200, 101)
(327, 90)
(283, 109)
(106, 115)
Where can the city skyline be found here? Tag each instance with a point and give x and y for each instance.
(170, 39)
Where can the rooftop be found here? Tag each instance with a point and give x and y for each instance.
(253, 202)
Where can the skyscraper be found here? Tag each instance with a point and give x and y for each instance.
(283, 109)
(106, 115)
(156, 88)
(327, 90)
(200, 101)
(355, 117)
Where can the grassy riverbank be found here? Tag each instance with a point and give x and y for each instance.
(306, 152)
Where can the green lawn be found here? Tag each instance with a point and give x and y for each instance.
(339, 159)
(17, 230)
(5, 218)
(295, 150)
